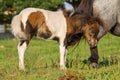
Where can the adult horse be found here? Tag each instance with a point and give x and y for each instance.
(109, 12)
(55, 26)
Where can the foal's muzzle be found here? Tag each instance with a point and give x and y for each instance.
(93, 44)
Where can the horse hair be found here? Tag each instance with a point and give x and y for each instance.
(85, 7)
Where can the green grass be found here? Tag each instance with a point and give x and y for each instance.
(42, 61)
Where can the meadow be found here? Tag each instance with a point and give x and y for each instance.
(42, 61)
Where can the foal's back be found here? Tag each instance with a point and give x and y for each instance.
(54, 21)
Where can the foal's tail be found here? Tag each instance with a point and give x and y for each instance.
(16, 26)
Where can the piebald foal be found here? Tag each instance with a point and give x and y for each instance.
(52, 25)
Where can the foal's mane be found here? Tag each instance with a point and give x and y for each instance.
(85, 8)
(85, 12)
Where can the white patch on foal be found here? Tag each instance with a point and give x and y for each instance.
(56, 23)
(21, 51)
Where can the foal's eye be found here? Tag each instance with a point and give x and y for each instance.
(91, 35)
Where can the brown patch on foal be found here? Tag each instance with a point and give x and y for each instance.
(37, 22)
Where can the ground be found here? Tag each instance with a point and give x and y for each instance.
(42, 61)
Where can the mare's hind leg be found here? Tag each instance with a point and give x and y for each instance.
(116, 30)
(21, 50)
(94, 57)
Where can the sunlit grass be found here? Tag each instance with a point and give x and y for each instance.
(42, 61)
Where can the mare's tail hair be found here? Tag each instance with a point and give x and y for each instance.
(86, 7)
(16, 27)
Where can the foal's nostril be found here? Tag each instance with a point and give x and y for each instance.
(95, 45)
(92, 44)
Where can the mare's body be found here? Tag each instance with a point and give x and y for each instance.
(109, 12)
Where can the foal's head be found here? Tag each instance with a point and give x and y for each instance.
(91, 30)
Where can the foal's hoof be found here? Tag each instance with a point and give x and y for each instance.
(94, 65)
(63, 68)
(22, 68)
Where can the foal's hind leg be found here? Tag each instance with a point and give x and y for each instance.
(63, 53)
(21, 50)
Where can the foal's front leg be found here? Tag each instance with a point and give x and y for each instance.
(63, 53)
(21, 50)
(94, 57)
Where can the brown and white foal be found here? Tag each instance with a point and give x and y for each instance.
(52, 25)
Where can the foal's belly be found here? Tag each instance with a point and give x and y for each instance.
(43, 34)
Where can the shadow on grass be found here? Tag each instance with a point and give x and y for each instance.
(103, 62)
(108, 61)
